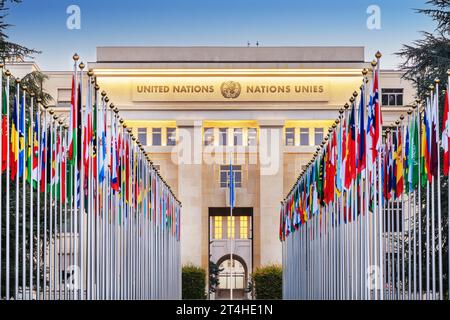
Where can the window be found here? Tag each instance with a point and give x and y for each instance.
(225, 174)
(290, 136)
(209, 136)
(392, 97)
(304, 136)
(231, 227)
(237, 137)
(142, 135)
(223, 133)
(218, 227)
(156, 136)
(251, 140)
(318, 136)
(171, 136)
(243, 227)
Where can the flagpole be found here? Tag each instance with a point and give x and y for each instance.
(433, 212)
(7, 178)
(448, 198)
(441, 287)
(1, 182)
(31, 153)
(231, 182)
(417, 119)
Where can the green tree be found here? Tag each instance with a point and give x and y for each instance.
(13, 52)
(428, 58)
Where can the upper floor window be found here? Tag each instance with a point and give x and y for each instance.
(392, 97)
(252, 137)
(304, 136)
(209, 136)
(223, 135)
(318, 136)
(243, 227)
(218, 227)
(142, 136)
(231, 227)
(290, 136)
(156, 136)
(225, 176)
(237, 135)
(171, 136)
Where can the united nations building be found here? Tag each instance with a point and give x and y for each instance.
(198, 110)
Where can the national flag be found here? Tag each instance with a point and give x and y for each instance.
(4, 131)
(446, 135)
(350, 171)
(399, 165)
(434, 147)
(362, 134)
(14, 141)
(231, 187)
(22, 133)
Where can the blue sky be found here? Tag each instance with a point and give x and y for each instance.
(42, 25)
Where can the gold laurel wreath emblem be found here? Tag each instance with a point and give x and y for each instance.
(230, 89)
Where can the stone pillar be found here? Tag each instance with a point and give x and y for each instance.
(270, 188)
(189, 159)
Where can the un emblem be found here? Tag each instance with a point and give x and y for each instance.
(230, 89)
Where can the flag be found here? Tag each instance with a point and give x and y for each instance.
(446, 135)
(43, 157)
(399, 165)
(231, 187)
(32, 154)
(350, 171)
(14, 141)
(413, 155)
(4, 131)
(21, 138)
(73, 122)
(362, 134)
(434, 137)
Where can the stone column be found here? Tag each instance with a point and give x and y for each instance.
(189, 159)
(270, 188)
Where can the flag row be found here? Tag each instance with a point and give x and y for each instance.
(84, 212)
(363, 220)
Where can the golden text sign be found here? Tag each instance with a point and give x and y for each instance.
(231, 89)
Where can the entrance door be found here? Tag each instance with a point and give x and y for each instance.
(231, 235)
(233, 275)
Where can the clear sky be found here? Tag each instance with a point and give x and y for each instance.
(42, 25)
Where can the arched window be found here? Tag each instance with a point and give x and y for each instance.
(232, 275)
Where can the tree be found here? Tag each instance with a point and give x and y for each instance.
(10, 51)
(13, 52)
(429, 58)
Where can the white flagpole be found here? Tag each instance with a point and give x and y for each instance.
(16, 264)
(31, 152)
(1, 182)
(448, 201)
(38, 209)
(436, 106)
(417, 119)
(24, 181)
(44, 270)
(8, 179)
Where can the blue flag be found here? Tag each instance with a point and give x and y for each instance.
(231, 187)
